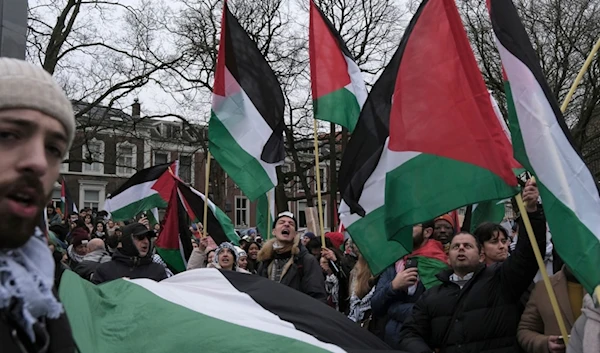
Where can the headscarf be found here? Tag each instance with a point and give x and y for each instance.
(231, 248)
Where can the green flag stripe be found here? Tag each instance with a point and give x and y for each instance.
(340, 107)
(244, 169)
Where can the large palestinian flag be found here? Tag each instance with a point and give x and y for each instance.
(149, 188)
(435, 147)
(218, 226)
(174, 241)
(206, 310)
(543, 145)
(246, 127)
(338, 89)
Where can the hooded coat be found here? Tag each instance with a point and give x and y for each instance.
(127, 262)
(90, 263)
(302, 271)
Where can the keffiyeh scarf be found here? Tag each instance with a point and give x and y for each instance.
(26, 280)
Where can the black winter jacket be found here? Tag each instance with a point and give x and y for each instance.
(128, 266)
(54, 334)
(86, 268)
(483, 316)
(304, 274)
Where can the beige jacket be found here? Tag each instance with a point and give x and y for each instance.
(539, 321)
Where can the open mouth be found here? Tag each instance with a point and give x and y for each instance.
(24, 202)
(461, 257)
(24, 197)
(285, 232)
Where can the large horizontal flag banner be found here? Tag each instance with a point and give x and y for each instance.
(338, 88)
(410, 160)
(147, 189)
(542, 144)
(245, 131)
(206, 310)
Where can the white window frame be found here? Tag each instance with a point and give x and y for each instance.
(100, 158)
(92, 185)
(246, 210)
(160, 151)
(120, 170)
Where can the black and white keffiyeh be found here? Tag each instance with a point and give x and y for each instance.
(26, 280)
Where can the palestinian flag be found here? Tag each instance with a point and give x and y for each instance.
(146, 189)
(174, 243)
(264, 220)
(338, 89)
(435, 148)
(543, 145)
(206, 310)
(245, 131)
(68, 206)
(218, 226)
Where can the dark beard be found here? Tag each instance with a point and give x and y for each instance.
(418, 241)
(15, 231)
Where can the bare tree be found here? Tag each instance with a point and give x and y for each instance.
(372, 29)
(562, 33)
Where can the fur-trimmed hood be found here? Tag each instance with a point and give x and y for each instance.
(268, 253)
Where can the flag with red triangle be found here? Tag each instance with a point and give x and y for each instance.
(338, 88)
(435, 147)
(68, 206)
(174, 243)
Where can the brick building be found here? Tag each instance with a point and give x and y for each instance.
(111, 145)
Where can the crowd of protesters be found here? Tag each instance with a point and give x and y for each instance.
(455, 292)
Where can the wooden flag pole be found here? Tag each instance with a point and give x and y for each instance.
(206, 184)
(318, 173)
(584, 68)
(540, 261)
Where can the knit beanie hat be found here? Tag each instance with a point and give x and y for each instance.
(231, 248)
(79, 236)
(26, 86)
(337, 238)
(446, 217)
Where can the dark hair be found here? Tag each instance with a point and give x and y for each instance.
(246, 246)
(314, 243)
(479, 246)
(96, 226)
(485, 231)
(428, 224)
(60, 231)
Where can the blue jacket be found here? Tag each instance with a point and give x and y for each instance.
(394, 305)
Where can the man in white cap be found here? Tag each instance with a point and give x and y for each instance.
(37, 126)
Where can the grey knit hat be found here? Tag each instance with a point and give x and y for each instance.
(26, 86)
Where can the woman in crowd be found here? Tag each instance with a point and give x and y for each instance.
(242, 260)
(99, 231)
(252, 248)
(225, 257)
(362, 287)
(88, 223)
(494, 240)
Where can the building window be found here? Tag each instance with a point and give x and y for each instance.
(185, 168)
(93, 151)
(126, 158)
(242, 213)
(92, 194)
(161, 158)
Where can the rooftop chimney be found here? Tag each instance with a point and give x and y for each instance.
(136, 108)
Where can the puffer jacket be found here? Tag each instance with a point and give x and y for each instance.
(302, 272)
(482, 317)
